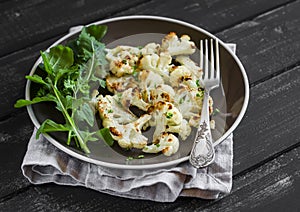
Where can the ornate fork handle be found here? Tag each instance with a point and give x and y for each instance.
(203, 152)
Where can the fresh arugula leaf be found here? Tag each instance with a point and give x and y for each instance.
(68, 83)
(88, 136)
(96, 31)
(51, 126)
(102, 83)
(61, 72)
(85, 113)
(105, 135)
(59, 57)
(37, 79)
(86, 45)
(23, 102)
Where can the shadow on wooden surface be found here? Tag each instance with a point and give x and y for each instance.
(266, 144)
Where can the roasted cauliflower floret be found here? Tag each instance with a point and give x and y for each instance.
(120, 68)
(190, 65)
(133, 97)
(122, 60)
(149, 62)
(111, 112)
(118, 84)
(188, 101)
(162, 92)
(130, 135)
(182, 75)
(150, 48)
(157, 63)
(165, 116)
(185, 129)
(178, 46)
(148, 82)
(173, 116)
(123, 126)
(166, 143)
(164, 82)
(164, 62)
(149, 79)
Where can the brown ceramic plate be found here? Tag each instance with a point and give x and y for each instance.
(231, 98)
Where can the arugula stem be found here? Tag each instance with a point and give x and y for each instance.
(71, 122)
(67, 73)
(69, 137)
(92, 62)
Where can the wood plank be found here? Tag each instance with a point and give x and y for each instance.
(62, 198)
(264, 119)
(269, 43)
(34, 21)
(40, 20)
(16, 88)
(272, 186)
(14, 135)
(13, 69)
(272, 121)
(287, 43)
(211, 15)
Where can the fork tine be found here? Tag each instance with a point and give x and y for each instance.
(206, 60)
(217, 60)
(212, 60)
(201, 54)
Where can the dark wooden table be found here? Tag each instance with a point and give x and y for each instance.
(266, 143)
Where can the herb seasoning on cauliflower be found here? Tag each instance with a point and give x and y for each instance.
(164, 83)
(166, 143)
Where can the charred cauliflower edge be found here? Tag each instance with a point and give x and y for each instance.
(170, 93)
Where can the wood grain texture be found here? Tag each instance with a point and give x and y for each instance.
(13, 69)
(14, 136)
(270, 187)
(272, 121)
(270, 54)
(266, 148)
(40, 20)
(211, 15)
(273, 186)
(34, 21)
(269, 43)
(15, 89)
(61, 198)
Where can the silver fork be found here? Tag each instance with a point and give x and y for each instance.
(203, 152)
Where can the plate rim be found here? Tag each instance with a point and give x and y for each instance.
(145, 166)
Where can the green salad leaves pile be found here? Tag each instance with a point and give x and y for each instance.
(70, 73)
